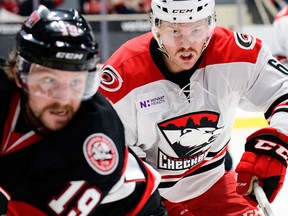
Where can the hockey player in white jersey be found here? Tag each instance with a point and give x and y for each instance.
(176, 90)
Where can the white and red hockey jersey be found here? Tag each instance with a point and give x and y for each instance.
(280, 30)
(183, 122)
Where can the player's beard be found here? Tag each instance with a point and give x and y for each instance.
(40, 121)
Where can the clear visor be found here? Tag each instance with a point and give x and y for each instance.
(59, 84)
(173, 34)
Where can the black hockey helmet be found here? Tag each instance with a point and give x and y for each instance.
(59, 39)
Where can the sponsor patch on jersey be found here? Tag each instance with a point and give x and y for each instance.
(101, 153)
(190, 136)
(152, 101)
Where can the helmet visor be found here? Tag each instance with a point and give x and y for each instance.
(174, 34)
(59, 84)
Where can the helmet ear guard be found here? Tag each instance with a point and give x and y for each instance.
(154, 23)
(22, 67)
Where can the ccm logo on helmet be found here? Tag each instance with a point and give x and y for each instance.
(182, 11)
(71, 56)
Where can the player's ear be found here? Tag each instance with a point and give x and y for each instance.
(17, 78)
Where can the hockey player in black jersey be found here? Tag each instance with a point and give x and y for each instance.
(62, 149)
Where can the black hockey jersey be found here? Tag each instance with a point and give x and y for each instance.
(83, 169)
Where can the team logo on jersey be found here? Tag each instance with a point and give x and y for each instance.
(110, 79)
(101, 153)
(190, 136)
(245, 41)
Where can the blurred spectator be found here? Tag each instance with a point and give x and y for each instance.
(9, 13)
(10, 5)
(131, 6)
(145, 6)
(115, 6)
(26, 7)
(94, 6)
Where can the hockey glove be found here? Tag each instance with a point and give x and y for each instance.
(265, 158)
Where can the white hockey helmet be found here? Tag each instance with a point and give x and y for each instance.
(181, 11)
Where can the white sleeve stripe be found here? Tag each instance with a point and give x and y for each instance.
(5, 193)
